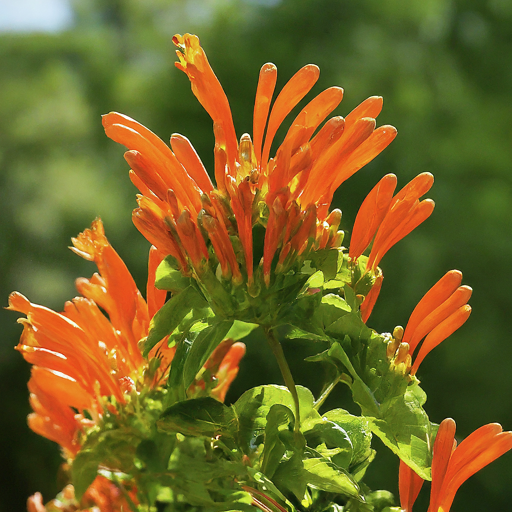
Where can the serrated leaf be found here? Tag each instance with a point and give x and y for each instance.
(399, 419)
(203, 416)
(326, 476)
(331, 435)
(254, 405)
(171, 314)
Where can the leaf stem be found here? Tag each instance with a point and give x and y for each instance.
(323, 397)
(277, 350)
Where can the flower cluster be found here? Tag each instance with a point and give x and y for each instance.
(81, 357)
(181, 212)
(132, 389)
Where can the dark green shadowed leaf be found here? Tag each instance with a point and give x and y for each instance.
(171, 314)
(198, 417)
(278, 418)
(84, 470)
(202, 347)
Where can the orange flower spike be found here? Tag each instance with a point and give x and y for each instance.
(278, 178)
(393, 226)
(418, 214)
(451, 466)
(371, 298)
(155, 297)
(307, 229)
(327, 136)
(459, 298)
(221, 163)
(151, 180)
(51, 325)
(312, 115)
(440, 333)
(228, 370)
(296, 88)
(188, 157)
(265, 90)
(409, 484)
(444, 446)
(371, 214)
(163, 163)
(439, 293)
(68, 390)
(275, 227)
(327, 168)
(370, 107)
(365, 153)
(207, 89)
(478, 450)
(158, 234)
(93, 245)
(416, 188)
(192, 240)
(174, 206)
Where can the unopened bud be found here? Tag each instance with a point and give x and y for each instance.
(392, 348)
(398, 333)
(402, 353)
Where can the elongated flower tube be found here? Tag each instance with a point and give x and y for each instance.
(209, 229)
(441, 311)
(386, 219)
(452, 465)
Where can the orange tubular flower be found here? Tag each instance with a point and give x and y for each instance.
(102, 495)
(183, 215)
(452, 465)
(441, 311)
(389, 218)
(80, 356)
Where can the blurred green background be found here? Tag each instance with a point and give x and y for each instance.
(444, 68)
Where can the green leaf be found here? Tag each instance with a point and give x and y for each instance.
(171, 314)
(198, 417)
(332, 436)
(240, 330)
(84, 470)
(168, 276)
(322, 474)
(360, 434)
(328, 261)
(406, 430)
(202, 347)
(394, 409)
(254, 405)
(278, 417)
(290, 476)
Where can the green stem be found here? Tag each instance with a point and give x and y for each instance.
(326, 393)
(277, 350)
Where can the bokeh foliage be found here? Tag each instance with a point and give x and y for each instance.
(445, 70)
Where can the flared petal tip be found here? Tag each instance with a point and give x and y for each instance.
(18, 302)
